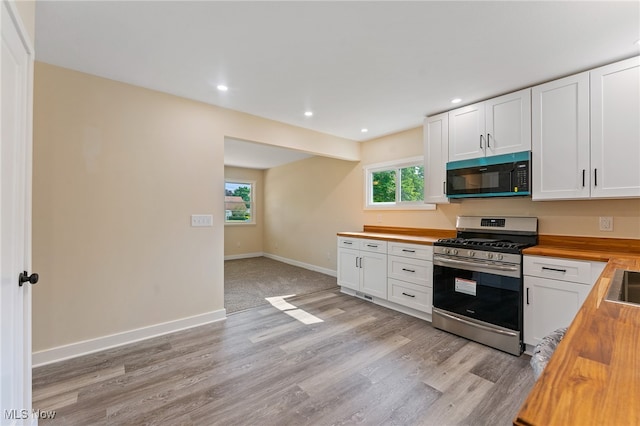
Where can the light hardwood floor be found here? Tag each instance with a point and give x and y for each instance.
(362, 364)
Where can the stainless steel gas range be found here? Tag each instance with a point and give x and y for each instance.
(477, 280)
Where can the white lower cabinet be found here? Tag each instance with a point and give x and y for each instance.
(410, 276)
(362, 265)
(554, 290)
(398, 275)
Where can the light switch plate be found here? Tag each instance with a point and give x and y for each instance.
(198, 220)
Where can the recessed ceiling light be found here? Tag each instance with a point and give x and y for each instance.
(308, 113)
(364, 130)
(456, 100)
(637, 41)
(222, 87)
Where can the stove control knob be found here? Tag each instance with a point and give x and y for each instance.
(499, 256)
(454, 251)
(472, 253)
(489, 255)
(447, 251)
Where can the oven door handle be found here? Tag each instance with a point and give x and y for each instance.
(443, 261)
(474, 323)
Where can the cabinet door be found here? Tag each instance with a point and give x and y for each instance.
(374, 274)
(436, 155)
(560, 146)
(549, 305)
(508, 123)
(615, 130)
(466, 132)
(348, 268)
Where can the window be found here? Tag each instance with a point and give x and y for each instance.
(396, 185)
(239, 202)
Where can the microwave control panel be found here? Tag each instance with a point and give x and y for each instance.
(521, 181)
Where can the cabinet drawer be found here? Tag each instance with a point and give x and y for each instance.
(416, 271)
(578, 271)
(411, 295)
(352, 243)
(375, 246)
(415, 251)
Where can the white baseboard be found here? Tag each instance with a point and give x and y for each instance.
(86, 347)
(325, 271)
(243, 256)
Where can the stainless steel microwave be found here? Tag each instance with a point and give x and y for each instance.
(497, 176)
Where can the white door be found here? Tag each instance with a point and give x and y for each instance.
(549, 305)
(466, 132)
(374, 274)
(615, 130)
(15, 219)
(508, 123)
(436, 155)
(560, 132)
(349, 268)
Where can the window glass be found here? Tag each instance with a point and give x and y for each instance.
(238, 202)
(396, 185)
(412, 183)
(384, 186)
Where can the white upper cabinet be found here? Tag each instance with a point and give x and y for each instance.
(586, 134)
(615, 130)
(466, 132)
(508, 123)
(436, 153)
(560, 139)
(497, 126)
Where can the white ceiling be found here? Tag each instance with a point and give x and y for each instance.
(378, 65)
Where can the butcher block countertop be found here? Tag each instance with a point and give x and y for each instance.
(403, 235)
(593, 377)
(584, 248)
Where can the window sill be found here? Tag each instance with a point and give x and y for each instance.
(402, 207)
(239, 224)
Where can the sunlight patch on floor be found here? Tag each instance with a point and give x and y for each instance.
(293, 311)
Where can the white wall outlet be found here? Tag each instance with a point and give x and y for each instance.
(198, 220)
(606, 223)
(379, 218)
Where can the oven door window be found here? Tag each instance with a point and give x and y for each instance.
(494, 299)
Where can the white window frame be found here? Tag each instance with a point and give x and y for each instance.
(397, 205)
(252, 202)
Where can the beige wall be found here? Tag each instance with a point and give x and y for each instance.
(307, 202)
(246, 239)
(118, 170)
